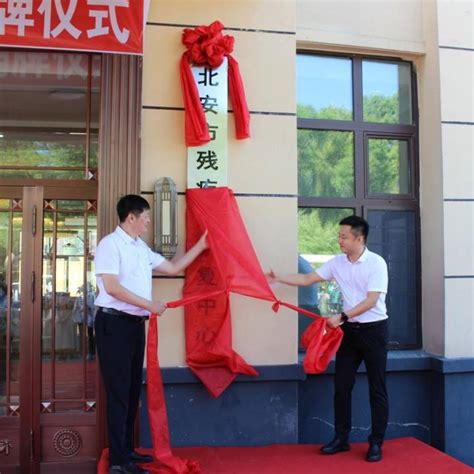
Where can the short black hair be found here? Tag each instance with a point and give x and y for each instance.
(358, 225)
(131, 203)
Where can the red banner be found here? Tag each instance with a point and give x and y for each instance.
(109, 26)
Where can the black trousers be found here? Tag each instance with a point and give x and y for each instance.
(120, 347)
(362, 342)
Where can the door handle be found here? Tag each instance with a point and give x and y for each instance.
(33, 221)
(33, 281)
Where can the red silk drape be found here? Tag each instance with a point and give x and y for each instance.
(157, 416)
(207, 46)
(230, 265)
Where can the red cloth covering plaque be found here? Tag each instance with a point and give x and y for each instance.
(230, 265)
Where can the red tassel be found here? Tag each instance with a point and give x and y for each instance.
(239, 102)
(158, 418)
(321, 343)
(206, 46)
(196, 129)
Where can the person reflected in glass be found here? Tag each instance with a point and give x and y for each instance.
(307, 295)
(363, 278)
(78, 318)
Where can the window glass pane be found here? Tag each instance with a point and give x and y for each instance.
(95, 108)
(41, 173)
(387, 92)
(325, 163)
(75, 205)
(44, 104)
(388, 166)
(42, 148)
(318, 231)
(324, 87)
(392, 235)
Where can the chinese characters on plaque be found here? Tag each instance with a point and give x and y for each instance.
(207, 164)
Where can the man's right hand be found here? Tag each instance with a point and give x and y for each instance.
(271, 277)
(157, 307)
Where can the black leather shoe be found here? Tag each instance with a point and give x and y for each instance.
(129, 468)
(337, 445)
(140, 458)
(374, 453)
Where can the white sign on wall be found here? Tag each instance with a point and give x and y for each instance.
(207, 164)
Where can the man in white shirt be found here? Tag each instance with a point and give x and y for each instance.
(363, 278)
(124, 265)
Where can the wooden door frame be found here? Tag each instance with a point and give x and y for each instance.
(30, 343)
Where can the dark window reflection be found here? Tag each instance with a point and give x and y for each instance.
(393, 236)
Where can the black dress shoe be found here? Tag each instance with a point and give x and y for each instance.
(337, 445)
(140, 458)
(374, 453)
(129, 468)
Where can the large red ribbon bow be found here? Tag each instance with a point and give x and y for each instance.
(207, 46)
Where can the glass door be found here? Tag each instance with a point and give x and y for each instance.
(11, 217)
(68, 361)
(47, 348)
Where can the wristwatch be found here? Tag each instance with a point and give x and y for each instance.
(344, 317)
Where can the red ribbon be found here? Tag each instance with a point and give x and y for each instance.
(230, 265)
(207, 46)
(164, 461)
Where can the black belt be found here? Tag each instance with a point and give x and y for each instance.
(123, 315)
(366, 325)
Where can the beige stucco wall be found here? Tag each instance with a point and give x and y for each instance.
(431, 186)
(456, 64)
(436, 36)
(374, 25)
(259, 168)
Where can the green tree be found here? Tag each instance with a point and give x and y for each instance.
(326, 168)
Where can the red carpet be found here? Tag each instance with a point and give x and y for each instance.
(401, 456)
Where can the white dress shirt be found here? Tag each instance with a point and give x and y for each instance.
(132, 261)
(368, 273)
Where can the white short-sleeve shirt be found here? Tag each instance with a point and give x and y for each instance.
(368, 273)
(132, 261)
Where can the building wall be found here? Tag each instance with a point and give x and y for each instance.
(428, 398)
(456, 63)
(262, 170)
(375, 26)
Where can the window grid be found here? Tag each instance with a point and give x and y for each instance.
(362, 202)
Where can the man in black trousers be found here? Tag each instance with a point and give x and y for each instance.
(363, 278)
(124, 265)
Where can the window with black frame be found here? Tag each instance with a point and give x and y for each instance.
(357, 154)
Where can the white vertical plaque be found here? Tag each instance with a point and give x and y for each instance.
(207, 164)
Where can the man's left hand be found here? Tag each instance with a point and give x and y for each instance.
(202, 242)
(334, 321)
